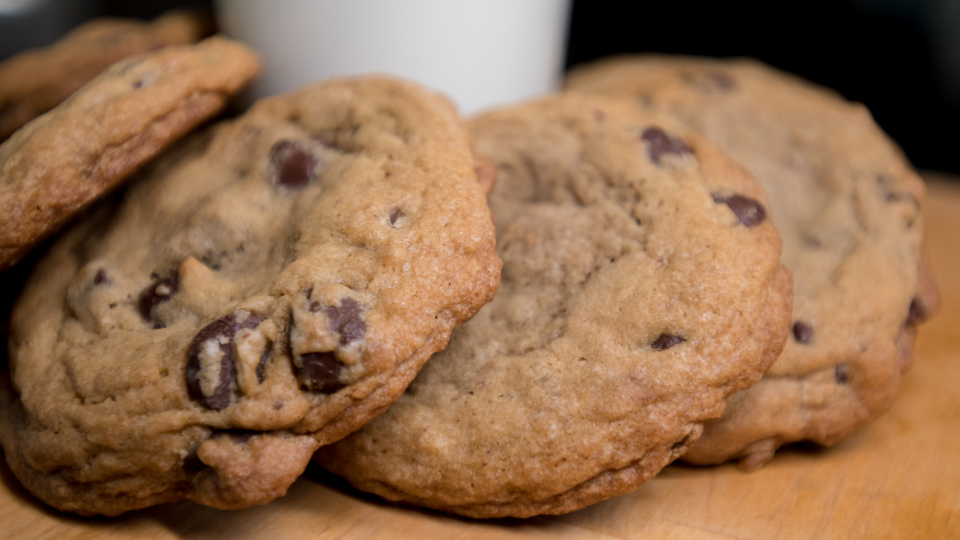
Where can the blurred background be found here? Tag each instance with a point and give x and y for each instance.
(899, 57)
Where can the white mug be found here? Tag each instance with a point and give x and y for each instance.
(478, 52)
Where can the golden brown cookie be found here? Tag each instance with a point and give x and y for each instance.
(35, 81)
(56, 165)
(641, 286)
(264, 288)
(848, 207)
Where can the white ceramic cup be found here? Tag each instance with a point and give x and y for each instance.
(478, 52)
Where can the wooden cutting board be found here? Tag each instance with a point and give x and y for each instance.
(899, 478)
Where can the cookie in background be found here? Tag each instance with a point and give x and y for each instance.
(34, 81)
(60, 162)
(848, 206)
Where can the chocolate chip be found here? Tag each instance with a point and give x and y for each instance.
(395, 214)
(917, 313)
(802, 332)
(294, 166)
(211, 360)
(659, 143)
(841, 374)
(161, 290)
(665, 341)
(345, 320)
(251, 322)
(749, 212)
(319, 372)
(215, 338)
(101, 277)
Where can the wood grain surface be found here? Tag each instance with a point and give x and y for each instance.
(899, 478)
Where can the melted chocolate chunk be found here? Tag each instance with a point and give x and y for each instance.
(841, 374)
(252, 321)
(665, 341)
(395, 214)
(101, 277)
(156, 293)
(659, 143)
(748, 211)
(216, 337)
(319, 372)
(217, 334)
(802, 332)
(294, 166)
(345, 320)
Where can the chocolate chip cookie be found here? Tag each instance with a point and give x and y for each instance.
(262, 289)
(35, 81)
(56, 165)
(641, 286)
(848, 207)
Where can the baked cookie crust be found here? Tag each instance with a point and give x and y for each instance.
(641, 286)
(35, 81)
(59, 163)
(263, 289)
(849, 209)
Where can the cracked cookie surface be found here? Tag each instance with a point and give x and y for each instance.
(56, 165)
(262, 289)
(641, 286)
(848, 207)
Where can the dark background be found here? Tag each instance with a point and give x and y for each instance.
(899, 57)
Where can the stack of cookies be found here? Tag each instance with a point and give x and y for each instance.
(520, 314)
